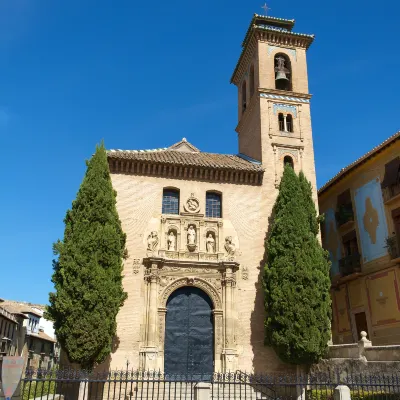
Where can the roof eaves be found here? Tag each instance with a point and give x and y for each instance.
(346, 170)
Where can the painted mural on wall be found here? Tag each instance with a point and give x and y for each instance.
(332, 240)
(371, 220)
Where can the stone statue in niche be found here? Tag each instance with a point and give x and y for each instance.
(230, 246)
(210, 243)
(191, 238)
(171, 241)
(191, 235)
(152, 241)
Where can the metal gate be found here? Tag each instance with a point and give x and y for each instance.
(189, 333)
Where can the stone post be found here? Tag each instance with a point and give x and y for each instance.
(342, 392)
(285, 123)
(83, 390)
(363, 344)
(202, 391)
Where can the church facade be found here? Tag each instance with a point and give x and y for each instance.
(196, 222)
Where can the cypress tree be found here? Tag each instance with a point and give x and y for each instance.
(296, 279)
(88, 271)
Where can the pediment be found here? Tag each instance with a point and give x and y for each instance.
(184, 146)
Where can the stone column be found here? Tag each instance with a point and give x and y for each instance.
(163, 244)
(149, 353)
(153, 279)
(229, 351)
(201, 237)
(285, 123)
(219, 339)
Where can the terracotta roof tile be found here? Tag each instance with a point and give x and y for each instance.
(356, 163)
(207, 160)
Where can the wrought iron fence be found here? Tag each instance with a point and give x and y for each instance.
(145, 385)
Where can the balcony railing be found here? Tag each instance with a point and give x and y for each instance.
(391, 191)
(344, 214)
(350, 264)
(393, 245)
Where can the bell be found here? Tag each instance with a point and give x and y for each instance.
(280, 75)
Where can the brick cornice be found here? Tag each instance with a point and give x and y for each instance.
(195, 173)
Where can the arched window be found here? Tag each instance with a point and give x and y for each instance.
(283, 72)
(281, 121)
(289, 123)
(288, 161)
(244, 96)
(213, 205)
(252, 88)
(170, 201)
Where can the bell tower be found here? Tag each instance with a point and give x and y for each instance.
(274, 125)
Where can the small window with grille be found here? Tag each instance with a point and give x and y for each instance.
(213, 205)
(170, 202)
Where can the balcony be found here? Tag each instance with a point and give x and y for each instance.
(390, 192)
(344, 214)
(350, 265)
(392, 245)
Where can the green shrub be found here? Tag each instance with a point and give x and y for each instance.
(327, 394)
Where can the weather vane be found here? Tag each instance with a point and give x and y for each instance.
(265, 8)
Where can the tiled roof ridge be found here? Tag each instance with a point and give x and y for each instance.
(344, 171)
(168, 149)
(276, 29)
(274, 18)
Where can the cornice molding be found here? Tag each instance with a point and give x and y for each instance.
(176, 171)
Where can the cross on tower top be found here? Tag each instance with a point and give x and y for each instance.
(265, 8)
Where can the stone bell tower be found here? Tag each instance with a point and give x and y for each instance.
(273, 100)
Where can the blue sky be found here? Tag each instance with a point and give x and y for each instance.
(144, 75)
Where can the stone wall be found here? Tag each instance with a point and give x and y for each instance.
(245, 217)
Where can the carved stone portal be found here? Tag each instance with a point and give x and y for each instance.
(217, 279)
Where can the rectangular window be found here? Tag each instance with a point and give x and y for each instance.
(170, 203)
(213, 205)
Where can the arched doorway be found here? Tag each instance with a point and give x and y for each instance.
(189, 333)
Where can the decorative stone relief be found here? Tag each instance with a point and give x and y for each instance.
(136, 265)
(280, 97)
(193, 281)
(230, 247)
(152, 241)
(293, 152)
(245, 273)
(285, 108)
(192, 205)
(161, 328)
